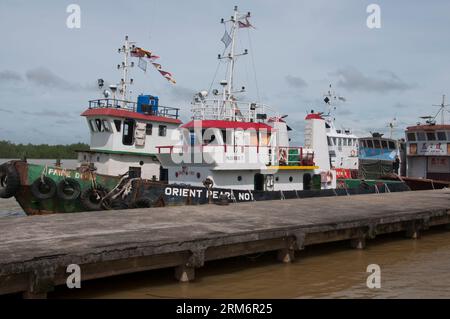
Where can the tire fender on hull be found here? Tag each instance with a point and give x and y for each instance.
(9, 180)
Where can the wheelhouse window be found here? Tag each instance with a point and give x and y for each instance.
(99, 125)
(421, 136)
(431, 136)
(118, 125)
(441, 136)
(128, 132)
(411, 136)
(377, 143)
(162, 130)
(92, 126)
(330, 143)
(148, 128)
(369, 143)
(391, 145)
(106, 126)
(384, 144)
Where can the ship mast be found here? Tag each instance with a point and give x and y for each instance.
(227, 94)
(442, 109)
(124, 82)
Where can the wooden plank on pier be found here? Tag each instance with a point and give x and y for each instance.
(35, 250)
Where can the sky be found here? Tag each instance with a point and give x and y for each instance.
(49, 72)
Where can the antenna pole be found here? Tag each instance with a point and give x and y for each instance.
(124, 82)
(442, 109)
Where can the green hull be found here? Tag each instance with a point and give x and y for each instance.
(33, 206)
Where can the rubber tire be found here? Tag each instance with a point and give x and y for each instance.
(36, 188)
(88, 200)
(143, 202)
(64, 184)
(9, 181)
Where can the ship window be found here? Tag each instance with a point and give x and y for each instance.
(98, 125)
(384, 144)
(92, 126)
(376, 143)
(441, 136)
(420, 136)
(162, 130)
(431, 136)
(148, 128)
(106, 126)
(391, 145)
(339, 141)
(369, 143)
(411, 136)
(329, 141)
(128, 132)
(117, 124)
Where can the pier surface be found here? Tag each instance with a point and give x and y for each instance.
(36, 250)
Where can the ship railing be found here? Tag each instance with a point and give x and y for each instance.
(278, 155)
(214, 109)
(160, 110)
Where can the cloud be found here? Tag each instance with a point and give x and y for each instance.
(352, 79)
(295, 81)
(10, 76)
(48, 113)
(6, 111)
(44, 77)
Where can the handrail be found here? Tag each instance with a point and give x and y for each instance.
(303, 159)
(160, 110)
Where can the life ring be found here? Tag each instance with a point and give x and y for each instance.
(329, 177)
(92, 198)
(9, 181)
(43, 188)
(282, 155)
(68, 189)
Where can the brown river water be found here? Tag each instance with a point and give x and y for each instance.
(409, 269)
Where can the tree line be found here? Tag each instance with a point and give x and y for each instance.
(12, 150)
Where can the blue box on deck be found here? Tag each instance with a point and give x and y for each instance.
(147, 104)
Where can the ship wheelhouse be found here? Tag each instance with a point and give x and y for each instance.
(124, 135)
(428, 151)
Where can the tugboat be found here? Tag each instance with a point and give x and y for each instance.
(123, 133)
(230, 151)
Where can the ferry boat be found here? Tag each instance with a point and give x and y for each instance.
(378, 154)
(428, 152)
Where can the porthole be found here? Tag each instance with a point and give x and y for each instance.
(141, 163)
(198, 175)
(290, 178)
(239, 178)
(277, 179)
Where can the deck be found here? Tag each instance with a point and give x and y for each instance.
(36, 250)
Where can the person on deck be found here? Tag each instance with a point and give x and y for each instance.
(396, 165)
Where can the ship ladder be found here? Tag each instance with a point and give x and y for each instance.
(282, 195)
(296, 194)
(376, 189)
(387, 188)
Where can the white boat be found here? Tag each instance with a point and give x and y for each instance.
(244, 145)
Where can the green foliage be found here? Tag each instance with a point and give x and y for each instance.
(11, 150)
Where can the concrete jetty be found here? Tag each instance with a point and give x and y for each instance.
(35, 251)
